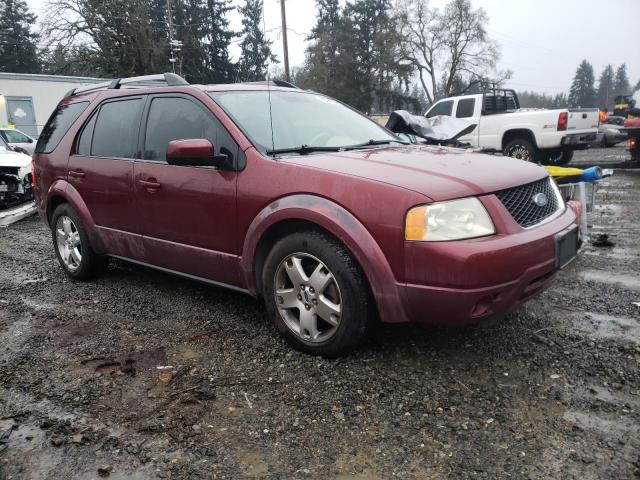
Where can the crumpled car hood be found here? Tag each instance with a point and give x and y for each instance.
(440, 173)
(14, 159)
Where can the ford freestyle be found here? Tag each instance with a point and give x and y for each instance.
(296, 198)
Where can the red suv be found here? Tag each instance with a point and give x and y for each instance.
(294, 197)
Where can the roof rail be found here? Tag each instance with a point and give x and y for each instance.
(168, 79)
(277, 83)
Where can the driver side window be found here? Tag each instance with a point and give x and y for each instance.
(180, 118)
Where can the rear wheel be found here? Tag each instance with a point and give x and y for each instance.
(521, 149)
(71, 243)
(558, 157)
(316, 294)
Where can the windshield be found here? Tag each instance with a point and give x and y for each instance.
(300, 119)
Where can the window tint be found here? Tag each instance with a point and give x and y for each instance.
(176, 118)
(116, 130)
(58, 125)
(84, 142)
(465, 107)
(441, 108)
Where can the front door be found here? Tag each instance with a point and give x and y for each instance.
(20, 113)
(101, 170)
(187, 214)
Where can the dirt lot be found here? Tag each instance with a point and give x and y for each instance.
(552, 391)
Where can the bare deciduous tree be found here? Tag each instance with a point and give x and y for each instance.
(452, 46)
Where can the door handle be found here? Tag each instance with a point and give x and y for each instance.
(149, 184)
(77, 174)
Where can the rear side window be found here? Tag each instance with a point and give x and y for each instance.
(115, 134)
(465, 108)
(442, 108)
(58, 125)
(179, 118)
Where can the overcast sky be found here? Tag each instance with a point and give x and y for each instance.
(542, 41)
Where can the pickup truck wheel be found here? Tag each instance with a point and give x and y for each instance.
(561, 157)
(317, 294)
(521, 149)
(71, 243)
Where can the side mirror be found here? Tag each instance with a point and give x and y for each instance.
(30, 140)
(196, 152)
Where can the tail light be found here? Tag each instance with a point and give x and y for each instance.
(34, 179)
(633, 143)
(563, 119)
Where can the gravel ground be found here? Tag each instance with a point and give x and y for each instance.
(551, 391)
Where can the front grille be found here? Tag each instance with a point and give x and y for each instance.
(521, 205)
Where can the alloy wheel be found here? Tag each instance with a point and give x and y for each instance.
(308, 297)
(520, 152)
(68, 242)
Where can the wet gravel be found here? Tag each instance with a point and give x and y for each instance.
(551, 391)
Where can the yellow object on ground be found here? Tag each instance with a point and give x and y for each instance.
(563, 171)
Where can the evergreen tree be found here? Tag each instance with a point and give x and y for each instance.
(321, 60)
(622, 85)
(606, 88)
(218, 38)
(18, 52)
(583, 91)
(256, 49)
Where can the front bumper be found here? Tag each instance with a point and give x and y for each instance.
(453, 283)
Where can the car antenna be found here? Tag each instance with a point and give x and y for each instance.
(264, 32)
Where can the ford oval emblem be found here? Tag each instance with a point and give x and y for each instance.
(540, 199)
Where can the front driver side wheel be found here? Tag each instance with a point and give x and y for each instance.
(317, 294)
(71, 243)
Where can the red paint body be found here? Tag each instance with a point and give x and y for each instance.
(209, 223)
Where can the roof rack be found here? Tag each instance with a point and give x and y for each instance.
(277, 83)
(160, 80)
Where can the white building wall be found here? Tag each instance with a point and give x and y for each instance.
(45, 90)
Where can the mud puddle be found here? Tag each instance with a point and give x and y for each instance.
(632, 282)
(610, 327)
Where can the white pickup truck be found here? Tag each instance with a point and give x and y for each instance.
(539, 135)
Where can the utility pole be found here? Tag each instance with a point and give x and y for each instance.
(285, 44)
(174, 45)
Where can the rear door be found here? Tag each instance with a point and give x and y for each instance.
(101, 170)
(187, 214)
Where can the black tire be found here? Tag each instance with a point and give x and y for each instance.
(91, 264)
(521, 149)
(356, 305)
(555, 157)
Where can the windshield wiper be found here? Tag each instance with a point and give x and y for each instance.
(304, 150)
(372, 143)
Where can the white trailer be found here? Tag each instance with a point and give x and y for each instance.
(27, 100)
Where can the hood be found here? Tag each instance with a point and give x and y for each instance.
(9, 158)
(440, 173)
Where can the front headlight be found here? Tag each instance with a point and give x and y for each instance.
(452, 220)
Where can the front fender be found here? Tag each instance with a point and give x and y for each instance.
(346, 228)
(62, 188)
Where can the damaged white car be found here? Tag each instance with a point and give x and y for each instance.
(16, 193)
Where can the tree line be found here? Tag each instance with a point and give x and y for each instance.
(121, 38)
(584, 91)
(376, 55)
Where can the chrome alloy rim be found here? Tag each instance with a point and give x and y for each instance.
(520, 152)
(68, 242)
(308, 297)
